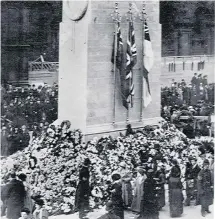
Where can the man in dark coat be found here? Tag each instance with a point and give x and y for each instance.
(83, 190)
(16, 140)
(211, 94)
(183, 83)
(25, 137)
(199, 80)
(187, 94)
(30, 109)
(205, 80)
(194, 80)
(23, 93)
(189, 130)
(144, 154)
(191, 174)
(14, 194)
(205, 188)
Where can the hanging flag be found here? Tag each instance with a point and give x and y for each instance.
(131, 60)
(119, 49)
(148, 60)
(119, 57)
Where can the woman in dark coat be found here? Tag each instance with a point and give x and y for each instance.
(175, 191)
(205, 188)
(160, 175)
(116, 196)
(83, 190)
(150, 203)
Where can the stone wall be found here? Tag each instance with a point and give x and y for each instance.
(100, 81)
(188, 28)
(28, 29)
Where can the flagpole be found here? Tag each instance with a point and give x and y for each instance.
(128, 110)
(116, 20)
(142, 68)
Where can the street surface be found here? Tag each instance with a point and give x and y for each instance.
(190, 212)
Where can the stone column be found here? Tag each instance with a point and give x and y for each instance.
(73, 70)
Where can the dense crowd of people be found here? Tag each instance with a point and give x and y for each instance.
(129, 172)
(194, 99)
(197, 91)
(47, 169)
(24, 110)
(27, 111)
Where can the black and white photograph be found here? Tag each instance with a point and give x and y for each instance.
(107, 109)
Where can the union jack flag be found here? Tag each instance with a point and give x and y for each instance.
(131, 60)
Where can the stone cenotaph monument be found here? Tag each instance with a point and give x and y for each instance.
(89, 90)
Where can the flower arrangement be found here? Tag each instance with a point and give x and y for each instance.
(52, 161)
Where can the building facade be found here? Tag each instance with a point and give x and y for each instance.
(187, 28)
(187, 40)
(28, 29)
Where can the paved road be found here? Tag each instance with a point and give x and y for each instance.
(191, 212)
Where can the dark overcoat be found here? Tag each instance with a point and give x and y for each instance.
(14, 194)
(83, 190)
(109, 216)
(150, 202)
(204, 187)
(175, 196)
(117, 200)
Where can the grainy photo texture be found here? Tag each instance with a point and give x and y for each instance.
(107, 109)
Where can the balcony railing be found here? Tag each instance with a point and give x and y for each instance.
(191, 62)
(43, 66)
(188, 59)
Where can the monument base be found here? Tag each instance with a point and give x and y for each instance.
(114, 130)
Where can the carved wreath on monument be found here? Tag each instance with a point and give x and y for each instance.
(76, 10)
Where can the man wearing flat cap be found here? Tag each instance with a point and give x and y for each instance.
(205, 188)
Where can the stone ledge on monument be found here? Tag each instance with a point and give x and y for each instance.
(113, 130)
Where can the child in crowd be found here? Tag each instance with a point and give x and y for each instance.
(25, 214)
(40, 211)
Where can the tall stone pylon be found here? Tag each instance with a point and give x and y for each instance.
(73, 56)
(86, 78)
